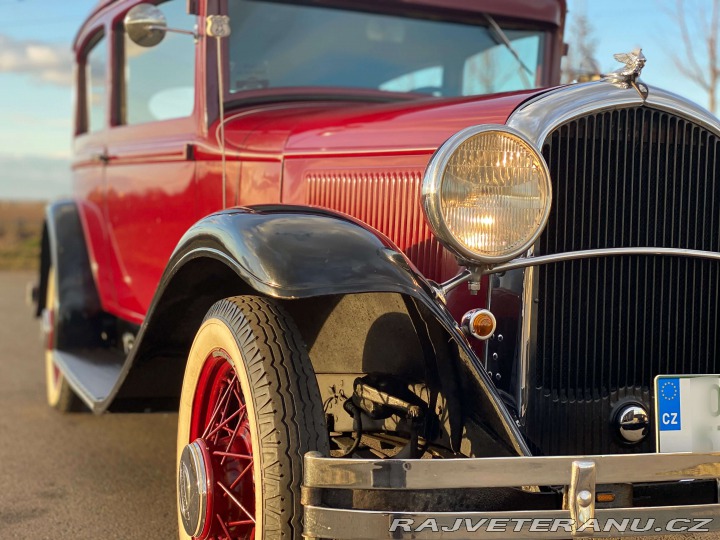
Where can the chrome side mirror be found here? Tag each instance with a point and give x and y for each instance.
(145, 25)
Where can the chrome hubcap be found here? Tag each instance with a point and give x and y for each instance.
(633, 423)
(194, 478)
(46, 327)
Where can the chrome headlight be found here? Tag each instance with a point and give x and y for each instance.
(486, 194)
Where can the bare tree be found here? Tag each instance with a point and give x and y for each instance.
(580, 63)
(698, 30)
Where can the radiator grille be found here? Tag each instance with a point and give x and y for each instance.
(606, 327)
(389, 201)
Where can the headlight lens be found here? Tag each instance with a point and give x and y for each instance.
(487, 194)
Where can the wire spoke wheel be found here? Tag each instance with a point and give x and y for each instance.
(247, 368)
(221, 432)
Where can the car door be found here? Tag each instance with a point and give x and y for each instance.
(92, 122)
(150, 173)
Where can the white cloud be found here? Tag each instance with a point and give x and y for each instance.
(43, 61)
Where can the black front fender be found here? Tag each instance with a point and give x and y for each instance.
(297, 252)
(289, 253)
(285, 252)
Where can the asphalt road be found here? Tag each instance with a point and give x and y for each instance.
(75, 476)
(80, 476)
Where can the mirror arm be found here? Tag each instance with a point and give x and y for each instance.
(194, 33)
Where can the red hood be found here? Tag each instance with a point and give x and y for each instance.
(330, 127)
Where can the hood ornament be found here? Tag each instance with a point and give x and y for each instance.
(627, 76)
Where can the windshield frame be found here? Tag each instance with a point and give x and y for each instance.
(550, 36)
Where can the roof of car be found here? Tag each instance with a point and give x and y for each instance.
(547, 11)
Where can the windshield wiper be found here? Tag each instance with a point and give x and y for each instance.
(502, 39)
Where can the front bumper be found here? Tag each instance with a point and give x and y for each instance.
(579, 516)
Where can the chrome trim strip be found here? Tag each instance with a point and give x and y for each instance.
(537, 118)
(527, 323)
(675, 104)
(345, 524)
(459, 473)
(488, 302)
(527, 262)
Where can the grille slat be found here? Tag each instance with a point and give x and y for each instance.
(384, 200)
(606, 327)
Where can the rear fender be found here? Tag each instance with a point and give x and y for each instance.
(79, 316)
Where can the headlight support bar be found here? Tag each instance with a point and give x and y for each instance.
(524, 262)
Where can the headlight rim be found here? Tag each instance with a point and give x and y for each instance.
(430, 196)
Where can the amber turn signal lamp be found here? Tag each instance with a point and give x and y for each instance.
(479, 323)
(605, 497)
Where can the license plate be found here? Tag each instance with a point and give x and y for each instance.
(687, 413)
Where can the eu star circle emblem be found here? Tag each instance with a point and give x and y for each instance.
(669, 390)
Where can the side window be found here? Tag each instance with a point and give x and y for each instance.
(159, 81)
(94, 85)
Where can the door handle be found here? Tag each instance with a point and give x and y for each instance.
(101, 157)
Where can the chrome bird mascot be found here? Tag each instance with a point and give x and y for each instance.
(627, 76)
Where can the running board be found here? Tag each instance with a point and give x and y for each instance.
(92, 373)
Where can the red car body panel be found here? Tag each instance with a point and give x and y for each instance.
(293, 154)
(364, 159)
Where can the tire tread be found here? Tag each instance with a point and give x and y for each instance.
(277, 360)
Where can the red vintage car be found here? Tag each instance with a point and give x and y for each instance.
(397, 282)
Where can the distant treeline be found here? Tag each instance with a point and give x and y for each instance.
(20, 230)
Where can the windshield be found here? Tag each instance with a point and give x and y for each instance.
(277, 45)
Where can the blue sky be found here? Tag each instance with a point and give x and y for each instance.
(35, 64)
(36, 96)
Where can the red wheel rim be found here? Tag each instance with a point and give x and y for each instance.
(56, 375)
(220, 423)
